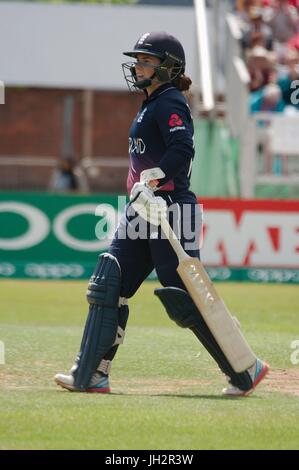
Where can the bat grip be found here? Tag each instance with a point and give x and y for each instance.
(173, 240)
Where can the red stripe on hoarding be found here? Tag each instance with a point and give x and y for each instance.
(271, 238)
(240, 205)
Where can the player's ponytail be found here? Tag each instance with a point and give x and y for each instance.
(182, 82)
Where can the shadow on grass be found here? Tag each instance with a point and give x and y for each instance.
(178, 395)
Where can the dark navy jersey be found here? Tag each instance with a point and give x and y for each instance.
(161, 135)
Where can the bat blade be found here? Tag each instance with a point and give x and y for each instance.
(216, 314)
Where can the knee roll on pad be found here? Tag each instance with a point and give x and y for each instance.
(102, 321)
(104, 284)
(181, 309)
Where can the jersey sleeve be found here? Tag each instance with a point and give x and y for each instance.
(175, 124)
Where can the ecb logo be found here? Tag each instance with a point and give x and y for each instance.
(2, 93)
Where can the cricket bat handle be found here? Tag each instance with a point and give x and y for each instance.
(173, 240)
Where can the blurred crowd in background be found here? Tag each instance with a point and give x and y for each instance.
(270, 42)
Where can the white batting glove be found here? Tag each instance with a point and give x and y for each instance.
(152, 174)
(149, 207)
(142, 187)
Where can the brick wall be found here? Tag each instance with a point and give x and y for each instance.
(31, 124)
(113, 114)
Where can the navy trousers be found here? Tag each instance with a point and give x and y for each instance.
(138, 256)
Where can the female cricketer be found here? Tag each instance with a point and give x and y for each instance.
(161, 150)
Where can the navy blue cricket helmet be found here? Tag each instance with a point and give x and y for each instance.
(162, 45)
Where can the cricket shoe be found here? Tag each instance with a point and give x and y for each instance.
(99, 383)
(257, 372)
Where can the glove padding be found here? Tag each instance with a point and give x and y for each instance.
(149, 207)
(141, 187)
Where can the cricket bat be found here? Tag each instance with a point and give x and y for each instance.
(211, 306)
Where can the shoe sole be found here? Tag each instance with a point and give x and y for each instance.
(261, 376)
(98, 390)
(71, 388)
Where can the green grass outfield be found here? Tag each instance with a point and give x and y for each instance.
(166, 389)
